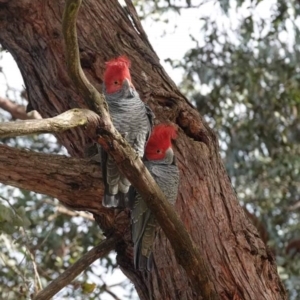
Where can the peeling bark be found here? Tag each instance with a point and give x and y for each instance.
(239, 262)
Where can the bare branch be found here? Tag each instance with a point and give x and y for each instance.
(72, 272)
(294, 206)
(37, 279)
(67, 120)
(132, 167)
(75, 182)
(94, 100)
(106, 288)
(18, 111)
(64, 210)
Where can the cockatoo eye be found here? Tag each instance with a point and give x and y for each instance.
(158, 151)
(116, 82)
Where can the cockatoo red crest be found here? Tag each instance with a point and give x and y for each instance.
(160, 141)
(117, 70)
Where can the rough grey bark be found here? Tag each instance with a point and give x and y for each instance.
(239, 261)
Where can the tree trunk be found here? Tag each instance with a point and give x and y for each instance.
(241, 266)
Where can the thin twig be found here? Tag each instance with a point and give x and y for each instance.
(108, 291)
(37, 279)
(72, 272)
(66, 211)
(17, 111)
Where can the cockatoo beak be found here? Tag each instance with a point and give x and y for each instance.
(127, 85)
(169, 157)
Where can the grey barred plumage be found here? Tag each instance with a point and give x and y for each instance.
(166, 175)
(133, 119)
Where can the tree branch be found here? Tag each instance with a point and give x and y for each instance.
(59, 209)
(72, 272)
(94, 100)
(17, 111)
(132, 167)
(129, 164)
(67, 120)
(75, 182)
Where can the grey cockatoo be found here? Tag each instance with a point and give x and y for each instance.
(131, 117)
(160, 162)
